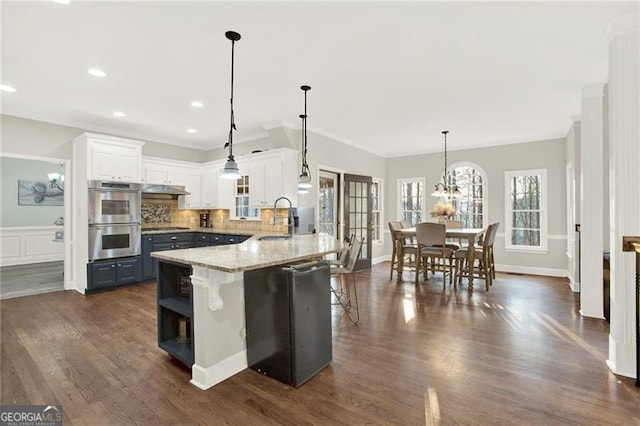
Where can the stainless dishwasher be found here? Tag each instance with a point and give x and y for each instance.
(288, 320)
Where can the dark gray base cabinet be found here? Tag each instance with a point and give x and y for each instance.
(175, 311)
(113, 273)
(151, 243)
(180, 240)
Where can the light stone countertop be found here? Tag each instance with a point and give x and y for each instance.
(225, 231)
(254, 253)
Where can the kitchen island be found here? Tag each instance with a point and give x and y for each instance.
(217, 308)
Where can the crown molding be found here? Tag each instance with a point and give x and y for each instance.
(622, 25)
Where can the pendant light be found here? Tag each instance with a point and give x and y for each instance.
(441, 188)
(231, 169)
(304, 182)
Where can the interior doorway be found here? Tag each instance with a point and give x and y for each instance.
(358, 217)
(329, 203)
(35, 213)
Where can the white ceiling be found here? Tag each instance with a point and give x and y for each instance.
(387, 77)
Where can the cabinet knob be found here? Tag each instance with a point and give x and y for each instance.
(113, 266)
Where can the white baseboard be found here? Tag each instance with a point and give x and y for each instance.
(30, 244)
(573, 284)
(532, 270)
(380, 259)
(206, 377)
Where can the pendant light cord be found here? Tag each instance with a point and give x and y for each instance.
(232, 125)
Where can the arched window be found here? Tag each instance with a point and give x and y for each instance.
(471, 180)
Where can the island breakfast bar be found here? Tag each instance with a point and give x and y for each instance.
(219, 348)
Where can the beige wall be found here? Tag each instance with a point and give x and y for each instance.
(31, 137)
(495, 161)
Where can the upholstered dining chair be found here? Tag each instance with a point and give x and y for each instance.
(485, 266)
(452, 243)
(400, 245)
(346, 294)
(431, 246)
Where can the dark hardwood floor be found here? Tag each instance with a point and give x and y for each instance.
(520, 354)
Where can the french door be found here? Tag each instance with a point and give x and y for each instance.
(328, 203)
(358, 217)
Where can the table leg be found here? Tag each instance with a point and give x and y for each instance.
(470, 259)
(400, 254)
(417, 263)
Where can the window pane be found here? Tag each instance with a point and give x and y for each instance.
(525, 208)
(469, 207)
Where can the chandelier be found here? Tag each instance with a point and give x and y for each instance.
(441, 188)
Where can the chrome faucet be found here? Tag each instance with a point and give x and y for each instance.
(289, 216)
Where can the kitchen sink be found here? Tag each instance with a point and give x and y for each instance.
(273, 237)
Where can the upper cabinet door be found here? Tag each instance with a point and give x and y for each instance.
(155, 174)
(266, 180)
(192, 185)
(209, 188)
(115, 162)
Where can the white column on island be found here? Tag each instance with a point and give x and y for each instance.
(220, 348)
(624, 158)
(591, 206)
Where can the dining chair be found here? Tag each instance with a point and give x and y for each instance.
(451, 243)
(346, 294)
(400, 245)
(483, 252)
(431, 246)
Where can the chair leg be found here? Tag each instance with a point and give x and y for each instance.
(394, 260)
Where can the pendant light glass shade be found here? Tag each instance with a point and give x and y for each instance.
(231, 171)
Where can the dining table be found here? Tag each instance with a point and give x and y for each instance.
(471, 235)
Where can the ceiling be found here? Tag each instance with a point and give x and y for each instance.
(386, 77)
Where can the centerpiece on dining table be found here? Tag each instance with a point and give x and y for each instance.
(443, 211)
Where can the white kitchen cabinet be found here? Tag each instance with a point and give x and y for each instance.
(272, 176)
(165, 173)
(226, 197)
(110, 158)
(192, 184)
(209, 186)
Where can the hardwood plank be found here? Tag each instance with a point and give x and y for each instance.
(422, 354)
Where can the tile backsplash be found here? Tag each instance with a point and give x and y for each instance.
(156, 213)
(166, 212)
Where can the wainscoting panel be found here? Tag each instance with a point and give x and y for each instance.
(33, 244)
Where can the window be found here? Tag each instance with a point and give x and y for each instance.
(526, 215)
(242, 209)
(411, 194)
(470, 207)
(376, 210)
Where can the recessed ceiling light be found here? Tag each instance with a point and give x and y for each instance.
(197, 104)
(62, 1)
(7, 88)
(119, 114)
(192, 131)
(96, 72)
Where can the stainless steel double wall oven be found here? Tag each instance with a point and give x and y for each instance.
(114, 219)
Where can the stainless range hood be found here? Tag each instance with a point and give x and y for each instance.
(149, 190)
